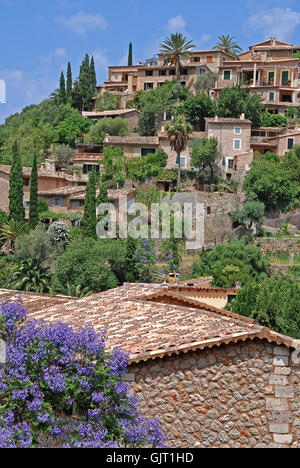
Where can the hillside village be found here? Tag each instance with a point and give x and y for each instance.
(212, 335)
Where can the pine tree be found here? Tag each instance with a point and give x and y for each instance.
(33, 207)
(16, 184)
(62, 89)
(89, 221)
(130, 55)
(93, 75)
(69, 83)
(130, 262)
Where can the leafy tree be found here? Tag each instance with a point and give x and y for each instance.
(231, 263)
(107, 125)
(63, 155)
(89, 220)
(107, 101)
(228, 44)
(273, 120)
(178, 132)
(72, 129)
(16, 183)
(270, 183)
(114, 165)
(273, 302)
(149, 121)
(62, 98)
(130, 55)
(131, 273)
(206, 154)
(235, 101)
(33, 206)
(59, 233)
(69, 84)
(84, 264)
(250, 216)
(174, 50)
(291, 163)
(206, 82)
(196, 109)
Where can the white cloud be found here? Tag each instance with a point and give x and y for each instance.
(60, 52)
(82, 22)
(277, 22)
(176, 24)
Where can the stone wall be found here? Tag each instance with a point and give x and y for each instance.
(272, 245)
(241, 396)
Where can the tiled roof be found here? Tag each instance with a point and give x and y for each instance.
(110, 112)
(227, 120)
(33, 301)
(63, 190)
(204, 282)
(134, 138)
(148, 321)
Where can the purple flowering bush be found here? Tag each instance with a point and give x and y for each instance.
(145, 262)
(60, 385)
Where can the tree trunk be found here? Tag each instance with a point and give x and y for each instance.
(179, 172)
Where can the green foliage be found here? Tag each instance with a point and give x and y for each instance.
(250, 215)
(147, 196)
(70, 131)
(33, 207)
(107, 125)
(206, 82)
(196, 108)
(31, 277)
(179, 131)
(74, 291)
(62, 97)
(205, 156)
(63, 155)
(273, 302)
(131, 247)
(89, 220)
(16, 183)
(273, 120)
(113, 166)
(84, 264)
(175, 49)
(167, 174)
(236, 100)
(270, 182)
(130, 55)
(228, 44)
(231, 263)
(292, 163)
(107, 101)
(69, 84)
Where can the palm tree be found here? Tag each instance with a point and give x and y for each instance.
(31, 277)
(178, 132)
(228, 44)
(175, 49)
(10, 231)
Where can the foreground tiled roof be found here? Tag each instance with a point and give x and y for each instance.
(34, 302)
(149, 321)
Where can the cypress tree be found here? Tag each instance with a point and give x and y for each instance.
(33, 208)
(89, 221)
(130, 55)
(85, 82)
(93, 76)
(62, 89)
(69, 83)
(16, 187)
(103, 194)
(130, 262)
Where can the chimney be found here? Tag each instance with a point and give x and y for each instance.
(242, 116)
(216, 118)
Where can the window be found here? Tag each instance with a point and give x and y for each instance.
(162, 72)
(290, 143)
(208, 210)
(230, 163)
(284, 78)
(148, 86)
(26, 182)
(271, 77)
(271, 96)
(209, 58)
(227, 74)
(87, 168)
(182, 162)
(183, 83)
(268, 53)
(78, 203)
(149, 72)
(237, 144)
(171, 72)
(184, 71)
(237, 130)
(146, 151)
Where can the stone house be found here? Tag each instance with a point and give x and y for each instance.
(215, 379)
(234, 136)
(268, 68)
(131, 116)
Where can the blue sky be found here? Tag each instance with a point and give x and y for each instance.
(39, 37)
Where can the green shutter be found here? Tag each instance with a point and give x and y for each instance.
(271, 96)
(284, 78)
(271, 77)
(227, 75)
